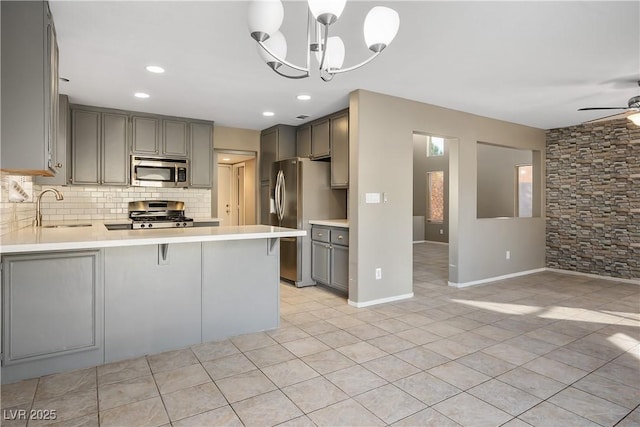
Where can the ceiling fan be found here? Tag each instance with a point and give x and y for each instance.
(632, 111)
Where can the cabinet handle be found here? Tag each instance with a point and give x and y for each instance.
(59, 165)
(319, 234)
(339, 237)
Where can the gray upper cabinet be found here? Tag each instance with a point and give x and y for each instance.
(303, 141)
(201, 154)
(145, 135)
(320, 143)
(100, 148)
(276, 143)
(115, 150)
(159, 136)
(62, 151)
(339, 126)
(175, 136)
(29, 88)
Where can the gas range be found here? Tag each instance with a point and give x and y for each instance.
(149, 214)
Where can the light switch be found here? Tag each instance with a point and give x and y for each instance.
(372, 198)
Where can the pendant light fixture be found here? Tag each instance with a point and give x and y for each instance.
(265, 18)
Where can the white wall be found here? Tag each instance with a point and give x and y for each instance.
(381, 141)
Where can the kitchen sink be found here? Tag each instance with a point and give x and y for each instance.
(66, 226)
(206, 223)
(118, 226)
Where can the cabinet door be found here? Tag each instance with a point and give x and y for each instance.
(52, 312)
(268, 152)
(321, 262)
(151, 304)
(340, 267)
(303, 141)
(340, 151)
(85, 134)
(61, 161)
(115, 150)
(175, 139)
(28, 87)
(320, 145)
(201, 155)
(146, 135)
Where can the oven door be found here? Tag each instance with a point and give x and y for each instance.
(150, 172)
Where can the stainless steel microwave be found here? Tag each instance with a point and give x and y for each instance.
(159, 172)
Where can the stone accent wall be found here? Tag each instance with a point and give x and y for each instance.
(593, 199)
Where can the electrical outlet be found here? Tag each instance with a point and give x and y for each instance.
(378, 273)
(441, 231)
(507, 255)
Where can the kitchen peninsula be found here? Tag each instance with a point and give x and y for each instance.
(83, 296)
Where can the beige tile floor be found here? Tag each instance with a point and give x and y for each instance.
(542, 350)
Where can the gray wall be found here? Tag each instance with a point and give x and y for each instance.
(593, 198)
(421, 165)
(381, 139)
(496, 179)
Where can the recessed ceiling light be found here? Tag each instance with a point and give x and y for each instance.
(225, 159)
(268, 113)
(141, 95)
(154, 69)
(304, 97)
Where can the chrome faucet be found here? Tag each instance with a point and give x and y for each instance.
(38, 221)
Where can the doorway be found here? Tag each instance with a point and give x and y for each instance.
(431, 177)
(234, 198)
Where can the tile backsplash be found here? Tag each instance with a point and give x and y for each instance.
(95, 203)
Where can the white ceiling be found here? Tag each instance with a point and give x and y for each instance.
(533, 63)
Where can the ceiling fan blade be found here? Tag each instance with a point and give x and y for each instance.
(602, 108)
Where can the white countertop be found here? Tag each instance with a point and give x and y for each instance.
(342, 223)
(36, 239)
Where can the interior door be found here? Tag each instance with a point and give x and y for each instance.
(224, 194)
(238, 199)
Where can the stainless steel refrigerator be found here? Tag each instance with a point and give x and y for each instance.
(300, 191)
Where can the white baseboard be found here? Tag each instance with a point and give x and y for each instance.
(419, 241)
(595, 276)
(379, 301)
(493, 279)
(437, 243)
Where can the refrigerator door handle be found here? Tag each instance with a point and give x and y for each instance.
(276, 194)
(283, 192)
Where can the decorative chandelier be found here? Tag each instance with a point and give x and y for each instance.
(265, 18)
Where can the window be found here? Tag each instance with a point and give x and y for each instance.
(524, 190)
(435, 196)
(435, 146)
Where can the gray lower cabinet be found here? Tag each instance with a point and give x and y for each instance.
(330, 256)
(201, 154)
(52, 313)
(152, 299)
(321, 262)
(239, 298)
(100, 152)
